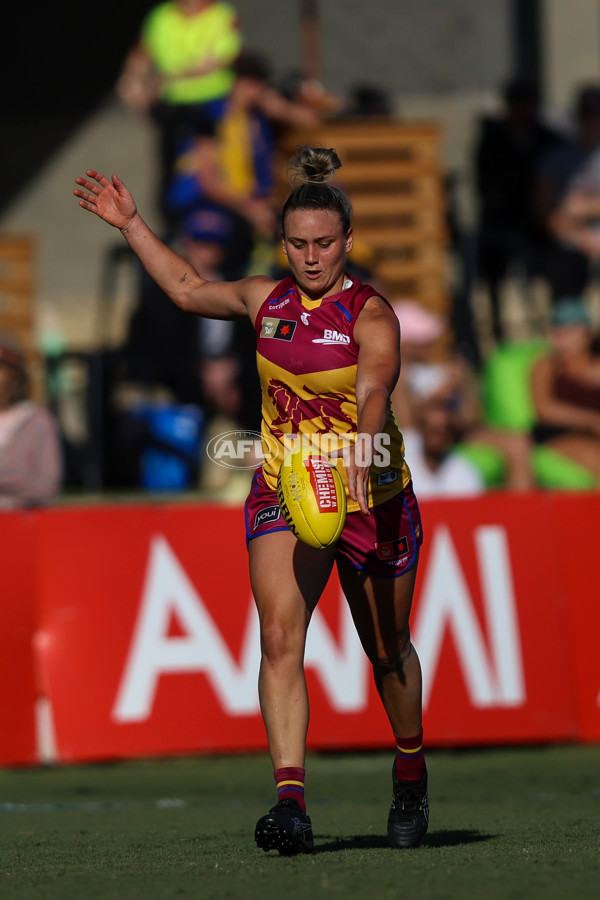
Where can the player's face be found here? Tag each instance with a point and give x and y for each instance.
(316, 247)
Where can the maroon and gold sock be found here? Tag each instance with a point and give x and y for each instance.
(290, 784)
(410, 757)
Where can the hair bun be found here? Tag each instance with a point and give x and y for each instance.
(313, 165)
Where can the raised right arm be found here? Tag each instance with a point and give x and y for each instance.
(112, 201)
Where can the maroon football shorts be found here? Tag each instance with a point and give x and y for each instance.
(385, 543)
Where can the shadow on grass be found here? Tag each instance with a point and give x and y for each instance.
(444, 838)
(453, 837)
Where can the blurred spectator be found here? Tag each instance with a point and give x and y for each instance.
(175, 359)
(567, 180)
(161, 347)
(566, 387)
(226, 349)
(575, 221)
(180, 70)
(164, 347)
(437, 469)
(310, 92)
(428, 369)
(232, 171)
(508, 152)
(229, 385)
(30, 451)
(431, 371)
(369, 100)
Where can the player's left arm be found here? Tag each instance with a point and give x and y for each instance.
(377, 334)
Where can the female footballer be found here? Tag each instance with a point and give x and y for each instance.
(328, 356)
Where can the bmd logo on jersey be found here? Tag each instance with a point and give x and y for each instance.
(332, 337)
(279, 329)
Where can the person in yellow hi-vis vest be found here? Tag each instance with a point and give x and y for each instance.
(231, 173)
(180, 71)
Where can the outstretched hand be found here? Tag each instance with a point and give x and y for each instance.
(109, 199)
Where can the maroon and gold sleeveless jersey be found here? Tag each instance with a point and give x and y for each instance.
(307, 359)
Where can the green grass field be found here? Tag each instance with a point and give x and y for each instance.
(505, 823)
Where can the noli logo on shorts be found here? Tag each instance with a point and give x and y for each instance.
(241, 449)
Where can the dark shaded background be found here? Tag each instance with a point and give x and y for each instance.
(59, 62)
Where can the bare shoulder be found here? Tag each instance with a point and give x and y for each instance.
(377, 314)
(256, 290)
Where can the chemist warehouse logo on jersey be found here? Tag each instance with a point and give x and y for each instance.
(332, 337)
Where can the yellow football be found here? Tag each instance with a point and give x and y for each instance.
(312, 497)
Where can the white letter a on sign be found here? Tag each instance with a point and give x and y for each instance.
(168, 591)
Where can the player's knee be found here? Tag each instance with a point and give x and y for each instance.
(394, 662)
(279, 641)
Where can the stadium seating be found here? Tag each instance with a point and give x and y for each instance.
(17, 300)
(392, 170)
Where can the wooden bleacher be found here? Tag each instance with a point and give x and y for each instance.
(17, 300)
(393, 174)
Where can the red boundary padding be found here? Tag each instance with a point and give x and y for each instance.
(130, 631)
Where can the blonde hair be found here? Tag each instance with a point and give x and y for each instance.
(310, 172)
